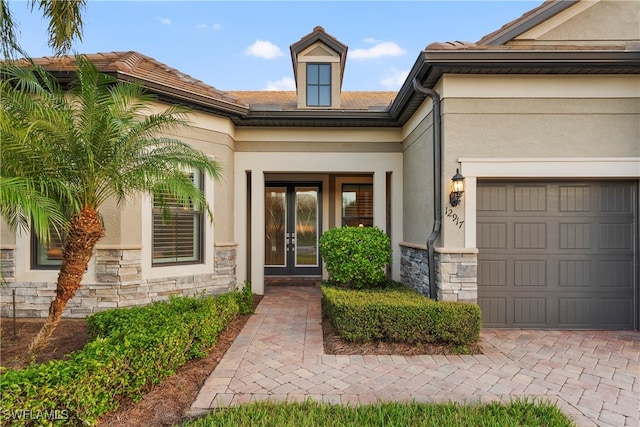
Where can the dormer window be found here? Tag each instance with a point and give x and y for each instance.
(318, 85)
(318, 68)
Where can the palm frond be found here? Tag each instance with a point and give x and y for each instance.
(103, 141)
(25, 203)
(65, 22)
(8, 31)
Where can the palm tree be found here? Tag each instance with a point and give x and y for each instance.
(76, 149)
(65, 24)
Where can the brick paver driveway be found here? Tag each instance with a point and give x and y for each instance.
(593, 376)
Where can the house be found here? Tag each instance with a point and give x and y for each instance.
(541, 118)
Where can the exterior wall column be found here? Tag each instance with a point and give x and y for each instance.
(257, 232)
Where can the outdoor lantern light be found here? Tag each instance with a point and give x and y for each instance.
(457, 188)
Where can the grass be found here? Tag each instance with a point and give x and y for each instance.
(520, 412)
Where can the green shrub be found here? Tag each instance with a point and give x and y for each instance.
(133, 349)
(399, 314)
(356, 256)
(244, 298)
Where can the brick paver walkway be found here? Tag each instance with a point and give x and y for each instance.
(593, 376)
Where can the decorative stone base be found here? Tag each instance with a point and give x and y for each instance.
(7, 265)
(414, 267)
(119, 284)
(456, 271)
(457, 274)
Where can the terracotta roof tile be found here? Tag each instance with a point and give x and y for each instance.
(287, 100)
(143, 68)
(149, 71)
(516, 21)
(318, 31)
(515, 48)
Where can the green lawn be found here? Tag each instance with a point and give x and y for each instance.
(309, 413)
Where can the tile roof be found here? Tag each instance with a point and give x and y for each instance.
(135, 66)
(518, 48)
(525, 17)
(287, 100)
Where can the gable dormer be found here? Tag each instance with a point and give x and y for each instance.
(318, 68)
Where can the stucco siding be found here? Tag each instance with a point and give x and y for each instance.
(542, 128)
(128, 234)
(591, 117)
(417, 169)
(319, 140)
(7, 237)
(590, 23)
(221, 146)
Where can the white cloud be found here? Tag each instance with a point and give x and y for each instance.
(164, 21)
(285, 83)
(378, 51)
(214, 27)
(264, 49)
(394, 78)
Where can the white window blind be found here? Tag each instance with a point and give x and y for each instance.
(178, 239)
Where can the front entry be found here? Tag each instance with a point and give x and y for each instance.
(292, 228)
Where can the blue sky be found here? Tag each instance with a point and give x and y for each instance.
(244, 45)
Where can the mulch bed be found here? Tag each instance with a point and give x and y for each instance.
(163, 405)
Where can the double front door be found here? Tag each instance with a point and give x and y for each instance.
(292, 228)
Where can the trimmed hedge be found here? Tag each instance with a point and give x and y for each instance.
(356, 256)
(399, 314)
(133, 348)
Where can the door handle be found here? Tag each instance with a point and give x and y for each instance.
(291, 241)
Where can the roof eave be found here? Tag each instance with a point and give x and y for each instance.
(432, 64)
(316, 118)
(545, 11)
(192, 99)
(490, 57)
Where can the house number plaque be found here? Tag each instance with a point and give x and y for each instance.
(454, 217)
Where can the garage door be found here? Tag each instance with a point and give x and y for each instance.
(557, 254)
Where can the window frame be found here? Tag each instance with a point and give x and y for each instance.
(198, 234)
(37, 248)
(368, 219)
(318, 85)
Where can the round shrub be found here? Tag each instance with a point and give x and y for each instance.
(356, 256)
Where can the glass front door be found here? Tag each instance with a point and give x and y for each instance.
(292, 228)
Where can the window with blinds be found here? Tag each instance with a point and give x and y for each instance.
(47, 256)
(357, 205)
(178, 239)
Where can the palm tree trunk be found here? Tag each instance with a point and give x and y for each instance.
(85, 230)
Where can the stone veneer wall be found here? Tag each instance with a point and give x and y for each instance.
(456, 271)
(7, 264)
(414, 267)
(119, 283)
(457, 274)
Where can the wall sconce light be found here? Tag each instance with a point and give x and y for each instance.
(457, 188)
